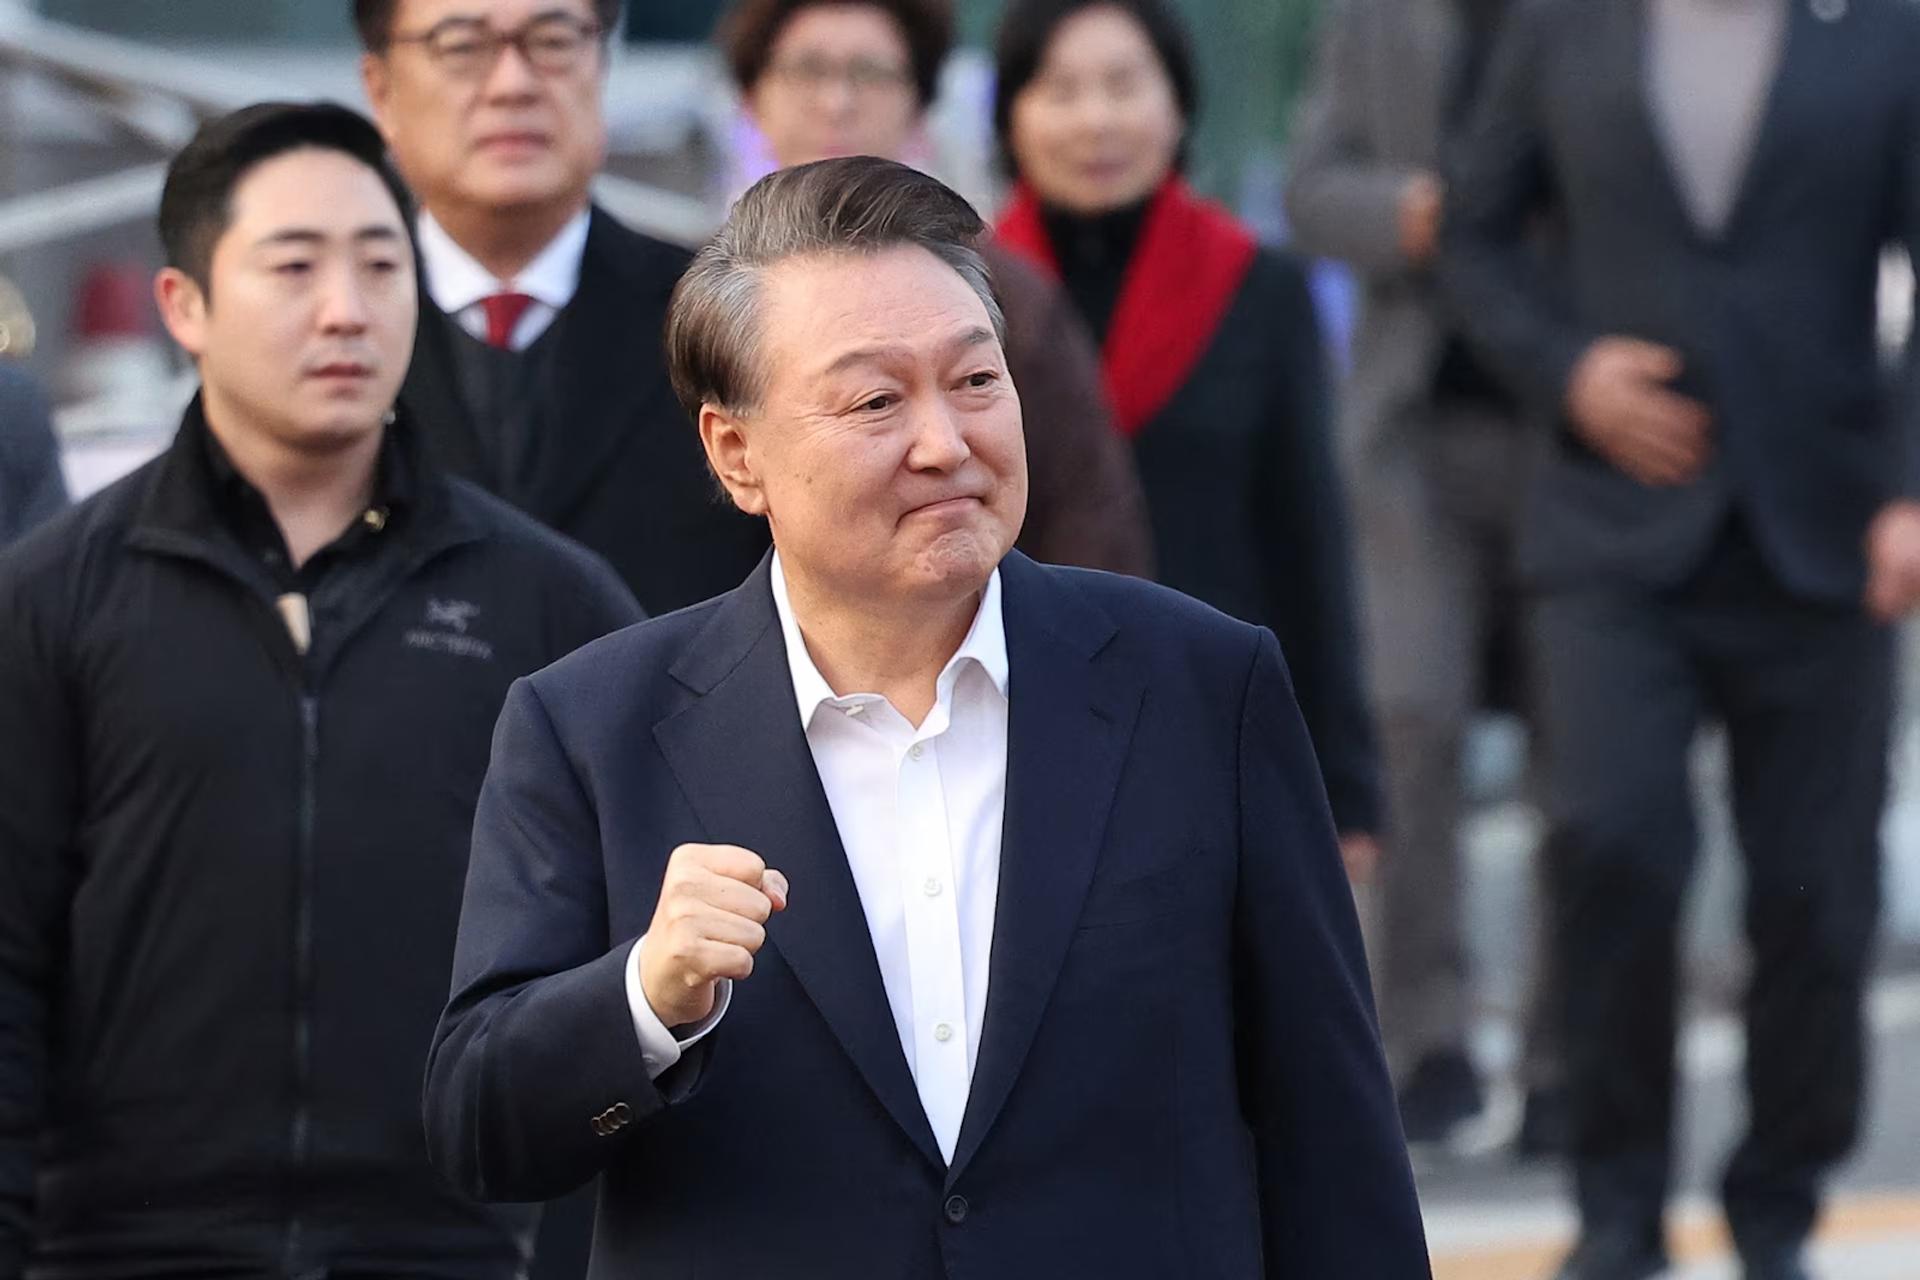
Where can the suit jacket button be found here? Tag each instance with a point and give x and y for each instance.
(622, 1113)
(956, 1209)
(600, 1126)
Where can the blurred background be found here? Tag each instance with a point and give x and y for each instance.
(95, 94)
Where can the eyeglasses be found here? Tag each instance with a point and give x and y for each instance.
(464, 49)
(861, 75)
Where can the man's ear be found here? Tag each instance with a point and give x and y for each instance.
(723, 435)
(377, 80)
(183, 309)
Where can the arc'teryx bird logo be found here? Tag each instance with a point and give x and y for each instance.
(456, 615)
(446, 630)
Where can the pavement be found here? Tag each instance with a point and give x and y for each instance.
(1490, 1217)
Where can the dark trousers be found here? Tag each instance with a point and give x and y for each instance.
(1437, 522)
(1805, 693)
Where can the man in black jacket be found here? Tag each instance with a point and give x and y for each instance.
(248, 693)
(538, 371)
(1726, 521)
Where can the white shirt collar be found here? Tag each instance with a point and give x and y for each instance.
(985, 646)
(456, 281)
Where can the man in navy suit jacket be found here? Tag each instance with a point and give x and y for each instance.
(913, 909)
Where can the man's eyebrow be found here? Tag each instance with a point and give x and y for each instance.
(312, 236)
(974, 337)
(864, 355)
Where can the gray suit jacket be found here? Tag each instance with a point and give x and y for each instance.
(1774, 316)
(31, 486)
(1369, 122)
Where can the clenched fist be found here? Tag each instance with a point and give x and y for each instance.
(714, 906)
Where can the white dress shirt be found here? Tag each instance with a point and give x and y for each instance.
(457, 283)
(919, 811)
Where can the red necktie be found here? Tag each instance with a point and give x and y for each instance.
(503, 313)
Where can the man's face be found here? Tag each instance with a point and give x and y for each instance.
(474, 131)
(886, 451)
(838, 82)
(307, 328)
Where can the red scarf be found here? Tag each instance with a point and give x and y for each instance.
(1186, 269)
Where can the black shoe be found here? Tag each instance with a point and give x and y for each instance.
(1442, 1092)
(1775, 1264)
(1543, 1125)
(1615, 1255)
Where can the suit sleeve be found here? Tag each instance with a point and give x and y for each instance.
(1336, 1192)
(39, 796)
(1343, 198)
(1908, 233)
(1499, 184)
(1085, 506)
(1308, 558)
(35, 490)
(537, 1042)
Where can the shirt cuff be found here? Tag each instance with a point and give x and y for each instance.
(660, 1049)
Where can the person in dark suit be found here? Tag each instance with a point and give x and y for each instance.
(1210, 349)
(31, 485)
(1436, 452)
(537, 371)
(1724, 525)
(824, 78)
(913, 909)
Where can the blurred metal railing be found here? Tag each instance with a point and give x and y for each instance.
(158, 97)
(161, 96)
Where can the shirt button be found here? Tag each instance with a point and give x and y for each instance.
(956, 1209)
(931, 888)
(916, 751)
(942, 1032)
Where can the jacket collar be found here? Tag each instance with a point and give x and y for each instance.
(189, 499)
(740, 755)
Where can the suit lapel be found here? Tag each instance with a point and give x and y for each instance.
(741, 756)
(1811, 63)
(432, 392)
(1620, 77)
(1802, 70)
(1070, 720)
(608, 384)
(1426, 52)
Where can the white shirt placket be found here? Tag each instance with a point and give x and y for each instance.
(942, 1053)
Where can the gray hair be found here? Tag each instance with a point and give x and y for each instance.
(858, 204)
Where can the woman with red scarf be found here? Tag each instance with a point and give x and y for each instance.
(1210, 349)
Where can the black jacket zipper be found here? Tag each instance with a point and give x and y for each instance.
(300, 1123)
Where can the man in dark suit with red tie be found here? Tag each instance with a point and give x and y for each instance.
(537, 372)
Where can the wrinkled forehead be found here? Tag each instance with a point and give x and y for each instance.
(823, 313)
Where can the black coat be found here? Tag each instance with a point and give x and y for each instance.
(1248, 512)
(230, 876)
(615, 463)
(1774, 315)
